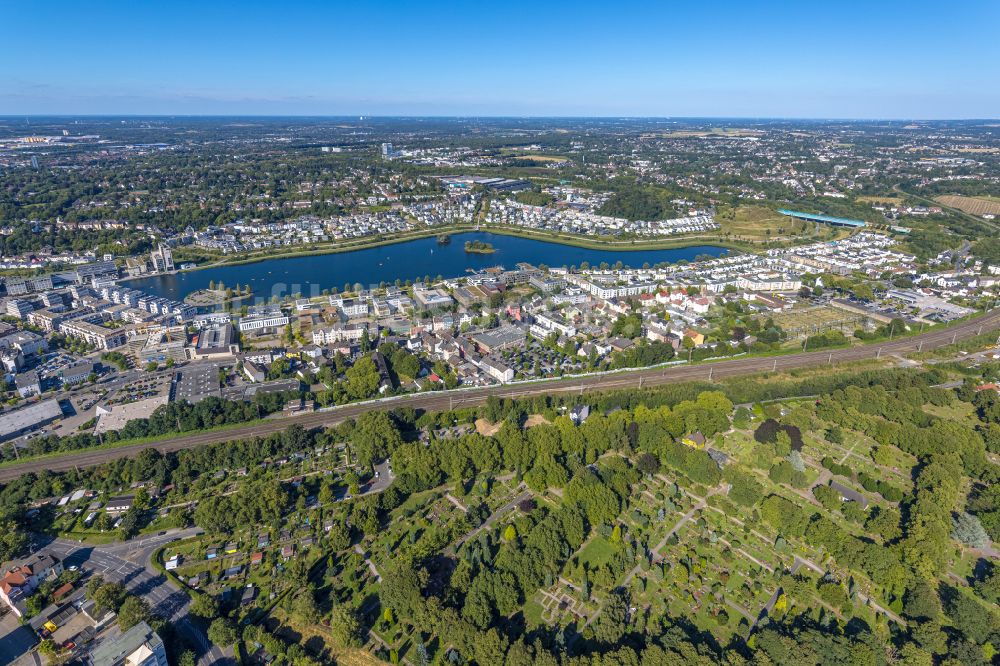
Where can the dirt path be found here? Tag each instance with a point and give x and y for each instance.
(371, 565)
(458, 505)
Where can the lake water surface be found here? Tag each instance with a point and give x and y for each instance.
(410, 260)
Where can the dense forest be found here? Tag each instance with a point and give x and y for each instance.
(470, 597)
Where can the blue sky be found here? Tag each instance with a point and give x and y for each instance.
(875, 59)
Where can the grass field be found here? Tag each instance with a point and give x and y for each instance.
(880, 200)
(957, 411)
(597, 553)
(757, 224)
(538, 157)
(318, 641)
(971, 205)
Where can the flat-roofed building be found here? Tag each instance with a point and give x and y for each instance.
(350, 307)
(54, 299)
(432, 298)
(263, 322)
(196, 382)
(26, 419)
(139, 646)
(115, 417)
(826, 219)
(215, 342)
(97, 270)
(27, 342)
(160, 348)
(21, 286)
(210, 319)
(504, 337)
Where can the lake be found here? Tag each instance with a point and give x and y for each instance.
(410, 260)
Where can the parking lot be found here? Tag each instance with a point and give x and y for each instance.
(55, 362)
(145, 386)
(538, 360)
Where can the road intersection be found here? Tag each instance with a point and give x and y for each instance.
(130, 563)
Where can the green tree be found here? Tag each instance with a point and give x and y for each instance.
(222, 632)
(109, 596)
(921, 602)
(133, 611)
(305, 608)
(48, 649)
(205, 605)
(13, 541)
(611, 623)
(510, 533)
(362, 378)
(344, 625)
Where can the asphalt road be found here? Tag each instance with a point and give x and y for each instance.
(139, 577)
(442, 400)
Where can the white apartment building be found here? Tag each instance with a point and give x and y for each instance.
(262, 322)
(341, 333)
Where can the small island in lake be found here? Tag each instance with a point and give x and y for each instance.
(479, 247)
(444, 239)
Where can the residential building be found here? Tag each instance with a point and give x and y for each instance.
(263, 319)
(47, 320)
(343, 333)
(27, 342)
(162, 259)
(98, 336)
(18, 307)
(496, 370)
(20, 581)
(28, 384)
(22, 286)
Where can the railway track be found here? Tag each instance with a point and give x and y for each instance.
(443, 400)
